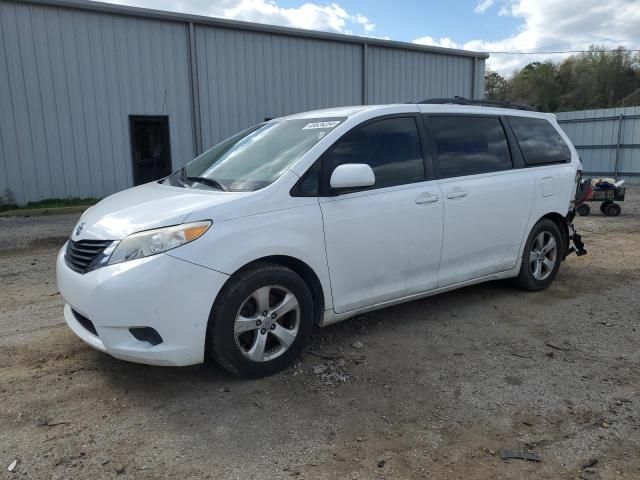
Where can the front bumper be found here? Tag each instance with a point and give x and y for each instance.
(172, 296)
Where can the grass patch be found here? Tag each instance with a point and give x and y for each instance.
(51, 203)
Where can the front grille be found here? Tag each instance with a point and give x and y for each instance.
(85, 322)
(80, 255)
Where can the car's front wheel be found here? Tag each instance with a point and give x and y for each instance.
(542, 256)
(261, 321)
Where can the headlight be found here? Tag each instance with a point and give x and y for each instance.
(152, 242)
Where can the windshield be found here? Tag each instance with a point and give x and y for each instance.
(254, 158)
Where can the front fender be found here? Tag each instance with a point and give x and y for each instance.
(293, 232)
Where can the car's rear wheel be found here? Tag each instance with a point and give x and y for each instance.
(542, 256)
(261, 321)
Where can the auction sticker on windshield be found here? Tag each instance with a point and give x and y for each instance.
(310, 126)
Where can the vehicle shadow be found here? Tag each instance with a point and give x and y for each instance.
(333, 340)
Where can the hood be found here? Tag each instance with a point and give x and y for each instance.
(145, 207)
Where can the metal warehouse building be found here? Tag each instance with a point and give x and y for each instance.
(95, 98)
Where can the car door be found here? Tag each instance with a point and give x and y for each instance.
(487, 199)
(382, 242)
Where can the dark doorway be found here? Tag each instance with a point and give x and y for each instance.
(150, 148)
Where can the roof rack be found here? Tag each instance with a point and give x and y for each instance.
(479, 103)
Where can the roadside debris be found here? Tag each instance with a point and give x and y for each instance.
(591, 463)
(43, 421)
(357, 344)
(319, 369)
(332, 372)
(381, 462)
(12, 467)
(506, 454)
(54, 424)
(556, 347)
(323, 355)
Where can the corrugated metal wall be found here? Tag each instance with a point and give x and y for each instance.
(244, 77)
(404, 75)
(72, 73)
(69, 79)
(601, 136)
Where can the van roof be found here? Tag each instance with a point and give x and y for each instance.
(348, 111)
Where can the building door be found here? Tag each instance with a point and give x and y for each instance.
(150, 148)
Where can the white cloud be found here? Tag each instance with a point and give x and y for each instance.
(445, 42)
(551, 25)
(505, 10)
(364, 21)
(314, 16)
(483, 6)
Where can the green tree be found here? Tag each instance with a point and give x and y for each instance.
(599, 78)
(495, 86)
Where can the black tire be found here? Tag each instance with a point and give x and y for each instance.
(611, 210)
(222, 345)
(526, 279)
(604, 205)
(583, 210)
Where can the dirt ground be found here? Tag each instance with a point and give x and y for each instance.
(436, 388)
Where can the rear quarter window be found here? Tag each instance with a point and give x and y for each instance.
(540, 143)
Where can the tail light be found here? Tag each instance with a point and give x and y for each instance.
(584, 190)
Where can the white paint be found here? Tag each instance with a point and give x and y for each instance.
(369, 249)
(352, 175)
(315, 125)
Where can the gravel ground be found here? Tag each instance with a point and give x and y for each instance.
(434, 388)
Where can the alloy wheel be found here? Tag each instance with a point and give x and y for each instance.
(543, 255)
(267, 323)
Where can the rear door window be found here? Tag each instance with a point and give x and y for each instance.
(469, 145)
(539, 142)
(390, 146)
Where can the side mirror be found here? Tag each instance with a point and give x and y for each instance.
(352, 175)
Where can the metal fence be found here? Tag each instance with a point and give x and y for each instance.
(608, 140)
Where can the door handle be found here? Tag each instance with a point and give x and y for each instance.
(457, 194)
(427, 198)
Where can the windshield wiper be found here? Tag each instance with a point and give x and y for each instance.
(210, 182)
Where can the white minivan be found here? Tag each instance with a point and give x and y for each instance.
(313, 218)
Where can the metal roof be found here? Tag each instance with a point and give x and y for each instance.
(250, 26)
